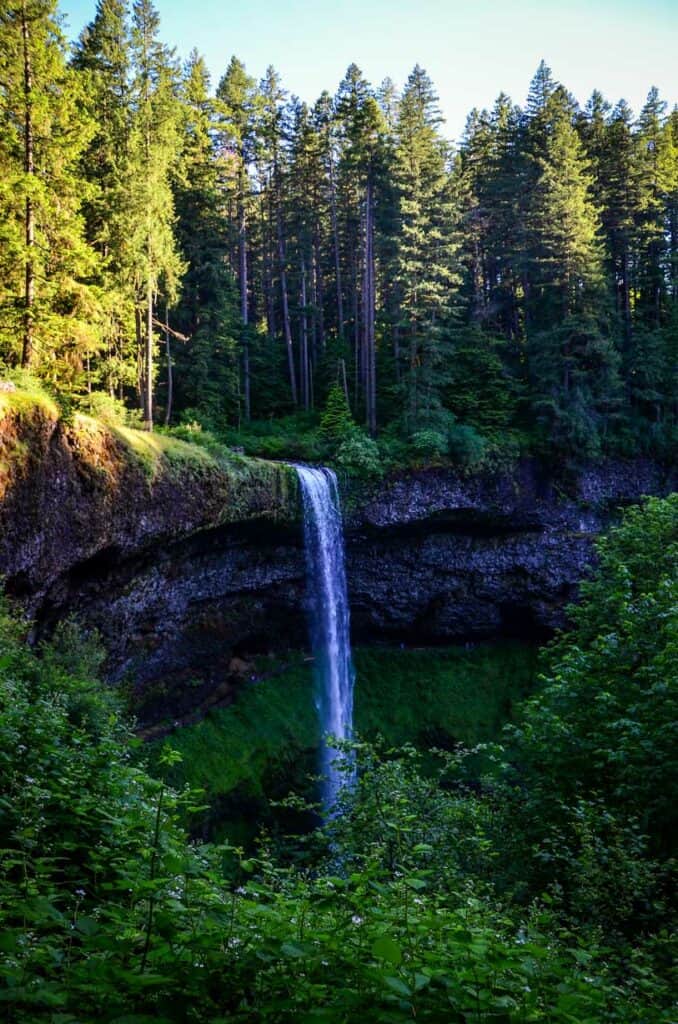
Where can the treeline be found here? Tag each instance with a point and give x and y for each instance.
(233, 256)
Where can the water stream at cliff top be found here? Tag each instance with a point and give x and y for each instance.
(328, 617)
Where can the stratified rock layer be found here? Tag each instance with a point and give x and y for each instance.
(185, 562)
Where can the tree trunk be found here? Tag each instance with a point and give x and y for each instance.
(141, 377)
(286, 309)
(305, 390)
(344, 379)
(369, 315)
(319, 293)
(29, 168)
(170, 374)
(149, 358)
(337, 258)
(244, 305)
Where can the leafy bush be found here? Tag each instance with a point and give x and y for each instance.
(108, 913)
(592, 796)
(358, 455)
(429, 444)
(104, 407)
(466, 447)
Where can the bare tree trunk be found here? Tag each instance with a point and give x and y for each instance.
(149, 358)
(29, 168)
(305, 390)
(370, 348)
(141, 376)
(286, 310)
(319, 294)
(170, 374)
(267, 245)
(244, 305)
(335, 238)
(344, 379)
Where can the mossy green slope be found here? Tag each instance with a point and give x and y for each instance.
(263, 744)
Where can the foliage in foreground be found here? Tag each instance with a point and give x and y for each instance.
(421, 900)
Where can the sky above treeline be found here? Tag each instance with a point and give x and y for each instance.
(472, 49)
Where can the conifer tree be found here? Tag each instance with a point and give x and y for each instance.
(238, 104)
(103, 56)
(273, 160)
(573, 361)
(425, 262)
(152, 260)
(45, 264)
(651, 213)
(207, 313)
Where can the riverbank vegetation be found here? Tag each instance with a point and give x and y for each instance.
(544, 893)
(237, 260)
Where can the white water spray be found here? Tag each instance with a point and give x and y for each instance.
(329, 616)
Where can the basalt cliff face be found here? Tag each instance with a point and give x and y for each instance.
(188, 565)
(434, 557)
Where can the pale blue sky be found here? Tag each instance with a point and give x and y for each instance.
(472, 49)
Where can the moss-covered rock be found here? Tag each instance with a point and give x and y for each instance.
(71, 491)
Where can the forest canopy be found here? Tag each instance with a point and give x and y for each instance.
(232, 255)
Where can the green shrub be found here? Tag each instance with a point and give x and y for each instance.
(105, 408)
(467, 447)
(358, 455)
(428, 444)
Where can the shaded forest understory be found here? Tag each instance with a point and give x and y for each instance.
(241, 262)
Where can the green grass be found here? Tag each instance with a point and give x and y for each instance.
(28, 394)
(153, 452)
(264, 744)
(463, 695)
(263, 733)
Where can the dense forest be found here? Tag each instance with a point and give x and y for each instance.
(302, 279)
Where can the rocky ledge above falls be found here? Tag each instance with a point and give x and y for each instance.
(81, 502)
(189, 563)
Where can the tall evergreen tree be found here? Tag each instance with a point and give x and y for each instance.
(425, 263)
(153, 262)
(103, 55)
(573, 362)
(207, 311)
(238, 102)
(45, 264)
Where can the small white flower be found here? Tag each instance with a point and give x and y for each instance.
(357, 919)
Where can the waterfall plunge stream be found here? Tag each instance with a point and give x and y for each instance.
(329, 616)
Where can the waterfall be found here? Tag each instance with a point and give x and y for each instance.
(328, 615)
